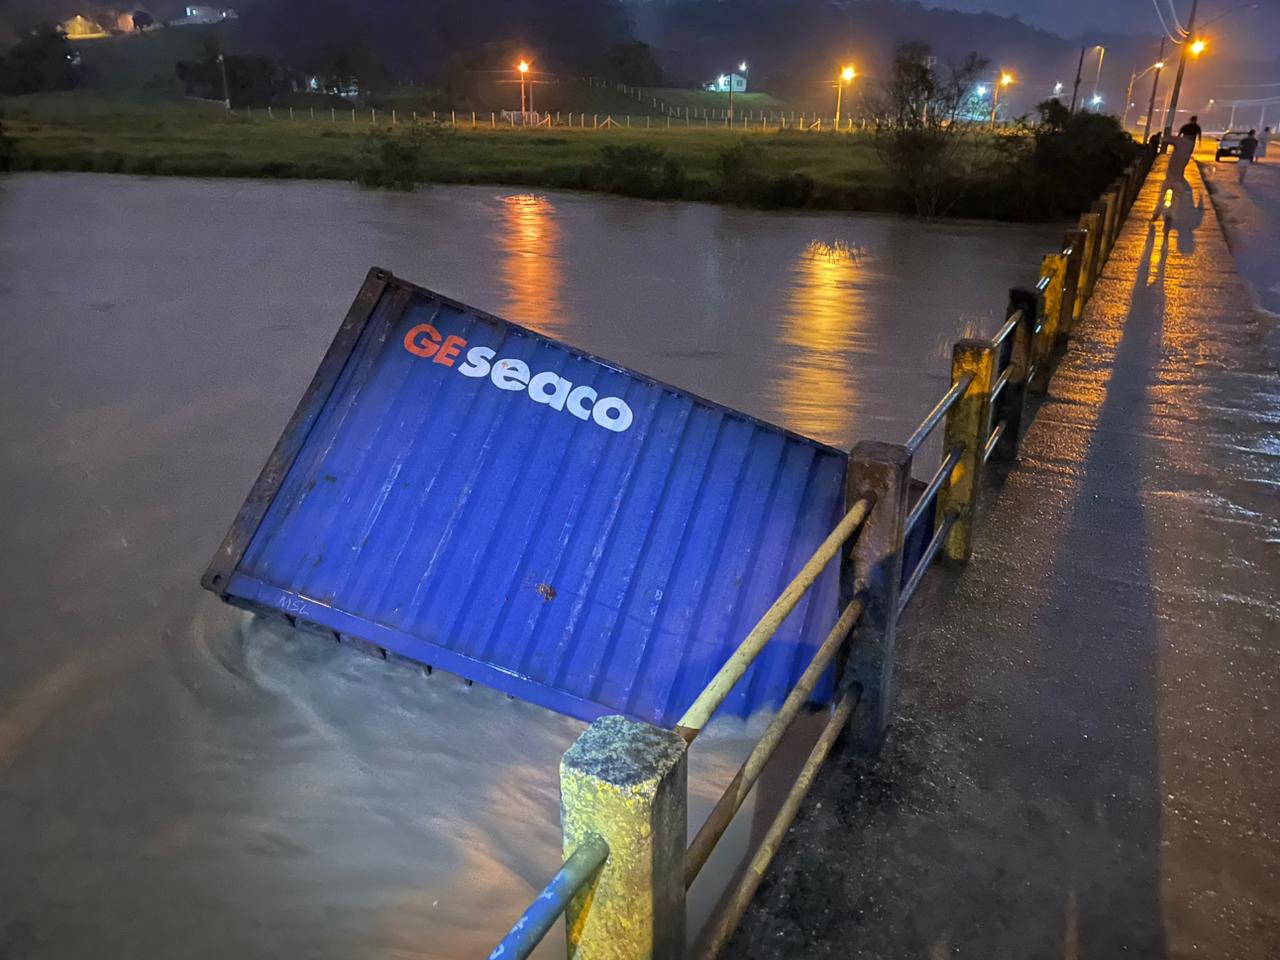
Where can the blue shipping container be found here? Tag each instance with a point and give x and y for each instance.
(470, 494)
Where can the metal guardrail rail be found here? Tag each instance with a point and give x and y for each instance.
(991, 380)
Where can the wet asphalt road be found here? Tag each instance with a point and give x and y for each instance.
(1083, 760)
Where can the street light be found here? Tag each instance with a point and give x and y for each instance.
(846, 75)
(523, 68)
(1197, 48)
(1006, 78)
(743, 67)
(1075, 88)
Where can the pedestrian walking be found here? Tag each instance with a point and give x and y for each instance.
(1263, 139)
(1248, 146)
(1191, 129)
(1175, 176)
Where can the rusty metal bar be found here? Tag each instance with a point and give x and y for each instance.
(939, 478)
(738, 903)
(937, 413)
(930, 554)
(731, 801)
(715, 692)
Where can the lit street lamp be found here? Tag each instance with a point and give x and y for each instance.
(1006, 78)
(743, 67)
(1134, 77)
(1075, 89)
(846, 75)
(523, 68)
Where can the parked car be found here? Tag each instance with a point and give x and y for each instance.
(1229, 144)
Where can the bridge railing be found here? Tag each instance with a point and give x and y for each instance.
(624, 784)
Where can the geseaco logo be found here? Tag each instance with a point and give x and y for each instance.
(509, 373)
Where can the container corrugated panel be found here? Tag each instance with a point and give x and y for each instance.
(470, 494)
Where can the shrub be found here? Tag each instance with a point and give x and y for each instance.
(1071, 161)
(394, 160)
(6, 148)
(735, 176)
(637, 170)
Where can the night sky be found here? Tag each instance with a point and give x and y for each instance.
(1254, 32)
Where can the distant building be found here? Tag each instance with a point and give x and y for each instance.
(197, 16)
(82, 28)
(726, 82)
(347, 87)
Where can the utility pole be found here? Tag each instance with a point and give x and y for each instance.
(222, 66)
(1182, 67)
(1076, 88)
(1155, 82)
(1102, 52)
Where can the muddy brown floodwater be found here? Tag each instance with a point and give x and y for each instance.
(179, 780)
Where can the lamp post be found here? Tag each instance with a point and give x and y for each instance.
(846, 75)
(1097, 79)
(1006, 78)
(1075, 89)
(1155, 84)
(523, 68)
(743, 67)
(1182, 68)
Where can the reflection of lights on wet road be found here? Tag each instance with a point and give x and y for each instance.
(824, 327)
(531, 268)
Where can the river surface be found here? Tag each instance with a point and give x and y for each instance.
(178, 779)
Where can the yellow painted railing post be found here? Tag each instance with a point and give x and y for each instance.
(967, 425)
(1090, 223)
(1102, 207)
(627, 783)
(1008, 406)
(1053, 266)
(1116, 195)
(874, 567)
(1073, 240)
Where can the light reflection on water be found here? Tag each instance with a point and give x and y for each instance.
(825, 319)
(531, 266)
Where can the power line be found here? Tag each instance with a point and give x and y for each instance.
(1176, 21)
(1176, 38)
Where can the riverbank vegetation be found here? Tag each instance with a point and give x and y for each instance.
(1046, 171)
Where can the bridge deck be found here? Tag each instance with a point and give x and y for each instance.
(1087, 728)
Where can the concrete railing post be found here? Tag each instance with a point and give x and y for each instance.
(966, 428)
(1102, 207)
(1073, 240)
(874, 565)
(1008, 406)
(1117, 214)
(1044, 353)
(627, 783)
(1091, 223)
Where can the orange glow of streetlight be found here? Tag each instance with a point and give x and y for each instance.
(1197, 48)
(1006, 79)
(847, 74)
(1159, 64)
(523, 66)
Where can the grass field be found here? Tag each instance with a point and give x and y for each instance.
(86, 131)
